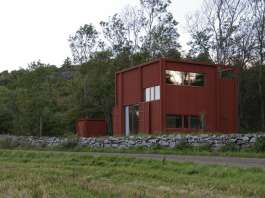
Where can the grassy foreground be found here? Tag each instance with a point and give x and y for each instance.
(74, 174)
(250, 153)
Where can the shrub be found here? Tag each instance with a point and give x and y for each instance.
(183, 145)
(260, 144)
(7, 143)
(205, 147)
(70, 143)
(230, 146)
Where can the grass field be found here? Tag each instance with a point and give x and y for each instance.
(76, 174)
(250, 153)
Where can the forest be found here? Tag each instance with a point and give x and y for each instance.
(46, 100)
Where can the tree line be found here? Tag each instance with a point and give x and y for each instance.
(47, 100)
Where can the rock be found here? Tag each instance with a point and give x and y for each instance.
(163, 143)
(253, 140)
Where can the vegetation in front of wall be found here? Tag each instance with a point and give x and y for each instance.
(260, 144)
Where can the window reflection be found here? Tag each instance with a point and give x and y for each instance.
(184, 78)
(173, 77)
(196, 79)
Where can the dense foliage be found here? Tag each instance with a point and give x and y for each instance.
(47, 100)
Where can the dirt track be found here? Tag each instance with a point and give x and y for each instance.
(229, 161)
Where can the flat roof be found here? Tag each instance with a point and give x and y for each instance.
(171, 60)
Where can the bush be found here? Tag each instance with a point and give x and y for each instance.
(183, 145)
(260, 144)
(230, 146)
(7, 143)
(70, 143)
(205, 147)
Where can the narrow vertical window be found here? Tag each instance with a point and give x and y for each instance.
(147, 94)
(152, 97)
(157, 92)
(186, 121)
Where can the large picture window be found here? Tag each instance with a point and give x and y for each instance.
(184, 78)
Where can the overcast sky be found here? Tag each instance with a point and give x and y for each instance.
(39, 29)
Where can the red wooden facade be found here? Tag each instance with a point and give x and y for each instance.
(91, 127)
(209, 105)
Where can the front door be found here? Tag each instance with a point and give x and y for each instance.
(131, 120)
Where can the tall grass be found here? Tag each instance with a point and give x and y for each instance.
(68, 174)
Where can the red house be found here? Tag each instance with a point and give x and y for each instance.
(165, 96)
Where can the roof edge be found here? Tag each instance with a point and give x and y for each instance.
(184, 61)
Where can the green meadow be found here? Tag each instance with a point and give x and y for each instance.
(77, 174)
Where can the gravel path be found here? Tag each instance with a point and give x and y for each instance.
(229, 161)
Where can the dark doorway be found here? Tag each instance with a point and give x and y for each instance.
(131, 118)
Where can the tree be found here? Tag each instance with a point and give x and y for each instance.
(6, 110)
(162, 40)
(258, 8)
(160, 27)
(114, 31)
(222, 20)
(83, 42)
(99, 78)
(67, 62)
(200, 46)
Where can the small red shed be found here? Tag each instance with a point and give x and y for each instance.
(166, 95)
(88, 127)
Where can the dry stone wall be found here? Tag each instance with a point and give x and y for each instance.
(214, 141)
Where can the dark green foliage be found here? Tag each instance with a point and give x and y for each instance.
(7, 143)
(230, 146)
(70, 143)
(183, 145)
(37, 102)
(260, 144)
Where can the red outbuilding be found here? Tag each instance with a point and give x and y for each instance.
(88, 127)
(165, 96)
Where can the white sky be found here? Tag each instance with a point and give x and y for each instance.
(39, 29)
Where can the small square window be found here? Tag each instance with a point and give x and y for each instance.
(227, 74)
